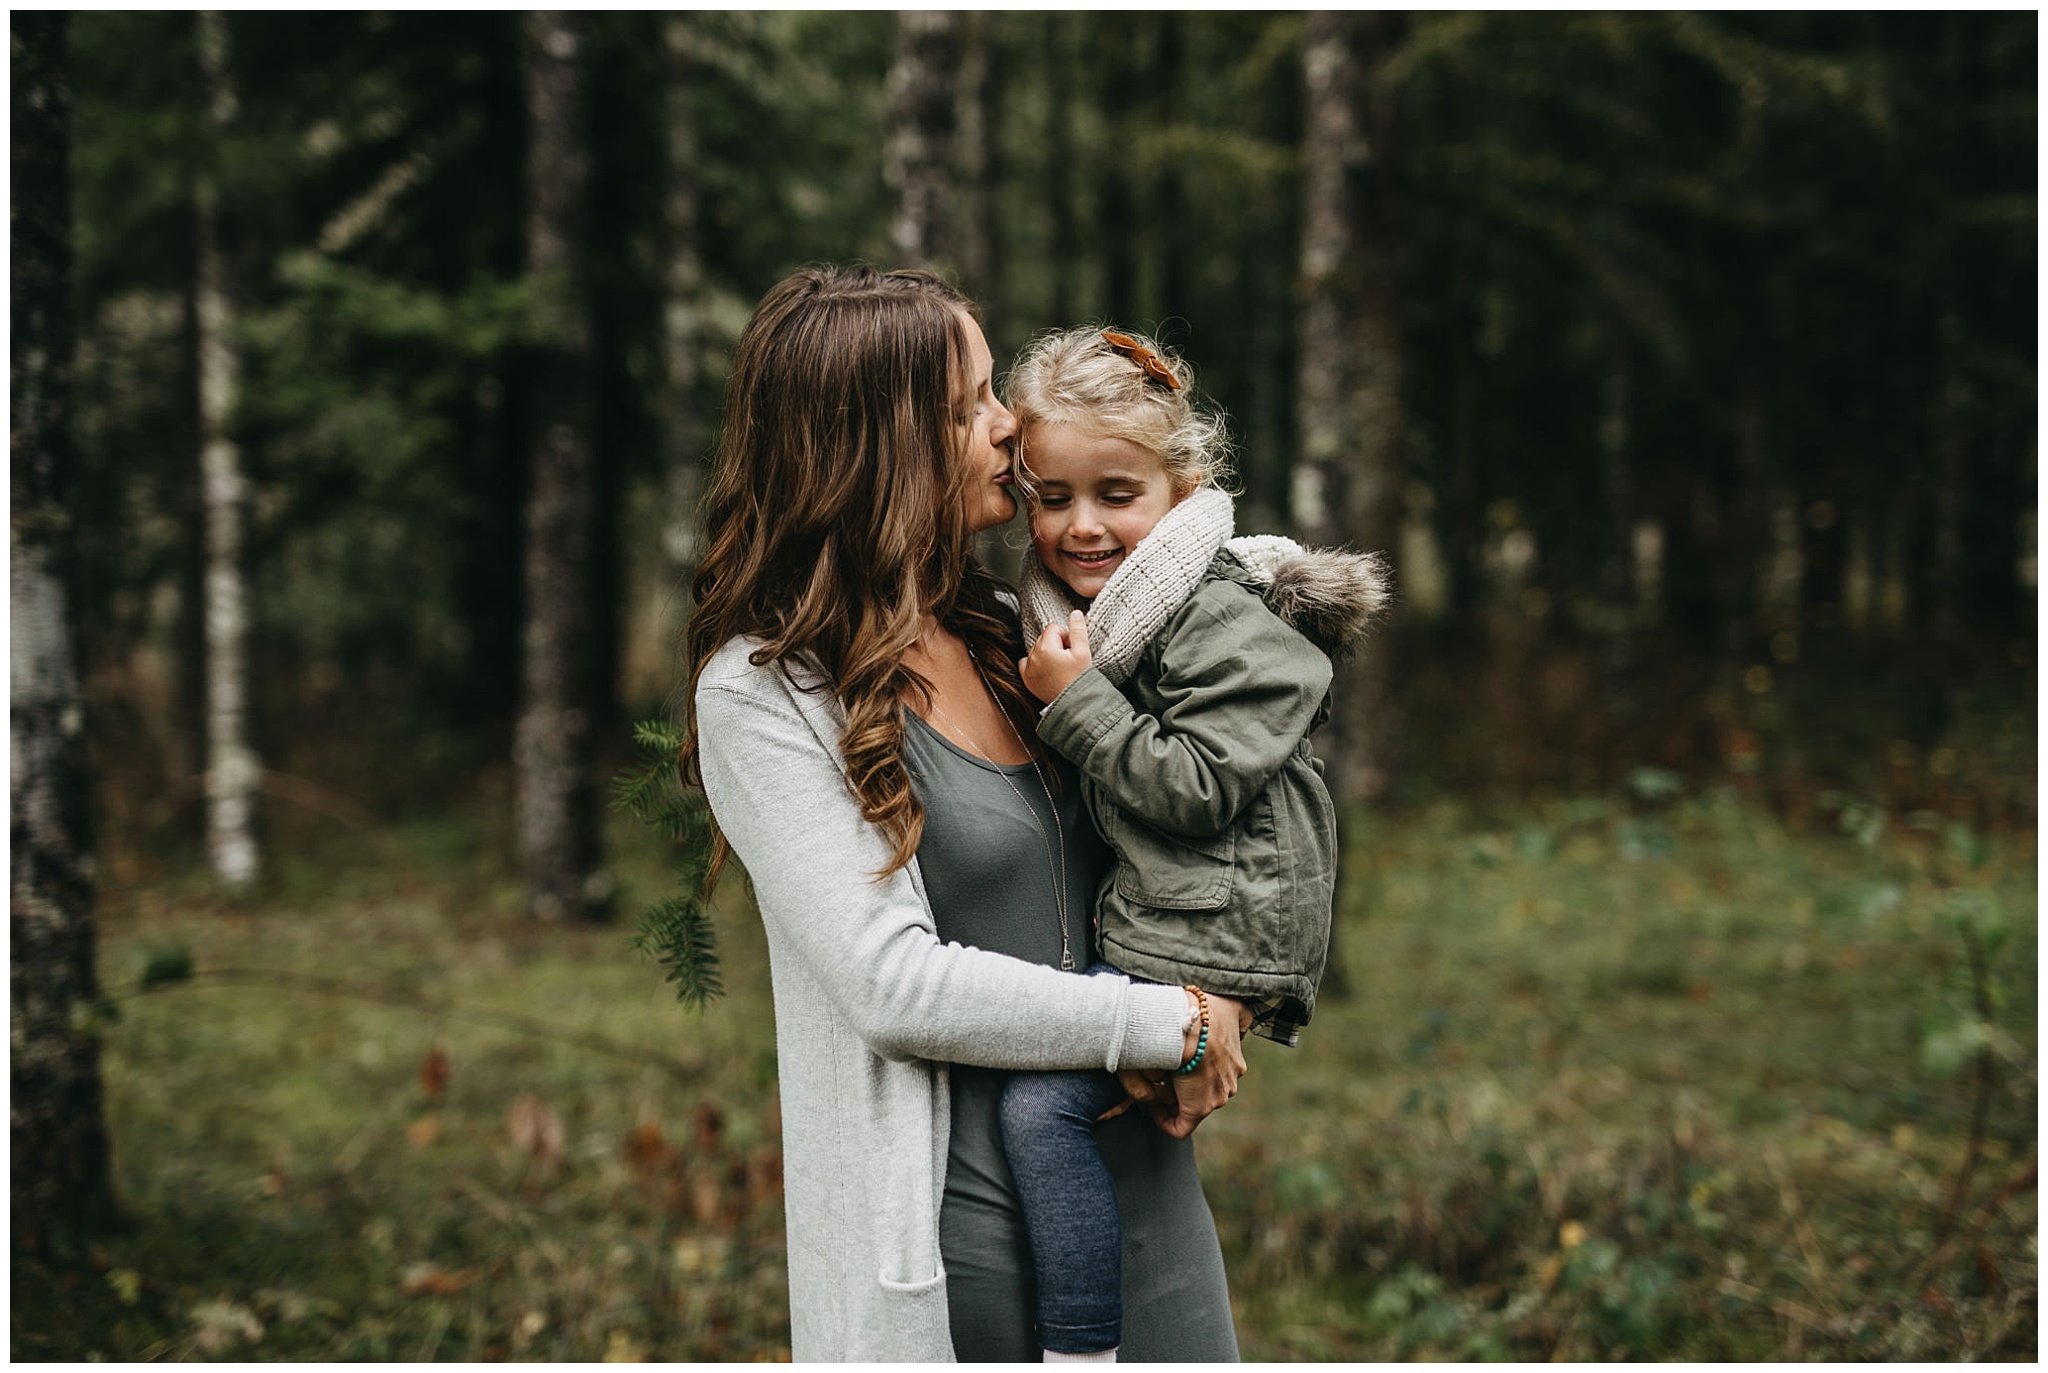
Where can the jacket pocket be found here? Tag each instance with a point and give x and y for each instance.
(1170, 872)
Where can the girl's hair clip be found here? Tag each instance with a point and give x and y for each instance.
(1146, 359)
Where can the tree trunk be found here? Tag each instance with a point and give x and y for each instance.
(59, 1138)
(1169, 192)
(232, 770)
(552, 747)
(981, 166)
(919, 165)
(1119, 224)
(1618, 561)
(682, 429)
(1347, 487)
(1059, 161)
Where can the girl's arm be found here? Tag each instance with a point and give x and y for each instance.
(1241, 690)
(870, 947)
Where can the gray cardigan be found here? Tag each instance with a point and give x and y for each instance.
(869, 1009)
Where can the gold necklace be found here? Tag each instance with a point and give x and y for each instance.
(1057, 870)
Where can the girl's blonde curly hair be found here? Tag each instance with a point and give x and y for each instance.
(1077, 377)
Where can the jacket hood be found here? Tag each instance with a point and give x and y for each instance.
(1330, 595)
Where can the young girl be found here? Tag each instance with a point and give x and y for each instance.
(1184, 696)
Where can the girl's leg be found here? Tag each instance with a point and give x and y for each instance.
(1069, 1204)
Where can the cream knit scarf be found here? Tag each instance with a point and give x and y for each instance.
(1155, 580)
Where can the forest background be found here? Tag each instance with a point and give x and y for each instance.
(364, 368)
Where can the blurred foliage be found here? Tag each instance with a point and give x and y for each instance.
(1582, 1107)
(1770, 256)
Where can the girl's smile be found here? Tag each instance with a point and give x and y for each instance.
(1094, 500)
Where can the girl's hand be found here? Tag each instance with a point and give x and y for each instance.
(1060, 655)
(1178, 1104)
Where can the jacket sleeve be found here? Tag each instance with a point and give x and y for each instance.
(782, 802)
(1241, 690)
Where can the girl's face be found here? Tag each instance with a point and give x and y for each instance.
(1096, 498)
(990, 432)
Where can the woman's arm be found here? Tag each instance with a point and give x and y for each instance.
(782, 802)
(1241, 690)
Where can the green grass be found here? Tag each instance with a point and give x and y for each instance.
(1607, 1083)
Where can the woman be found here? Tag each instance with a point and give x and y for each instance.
(853, 718)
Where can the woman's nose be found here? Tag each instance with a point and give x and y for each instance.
(1004, 427)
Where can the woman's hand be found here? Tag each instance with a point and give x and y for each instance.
(1178, 1104)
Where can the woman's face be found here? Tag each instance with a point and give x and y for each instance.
(991, 439)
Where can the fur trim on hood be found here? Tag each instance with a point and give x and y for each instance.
(1330, 595)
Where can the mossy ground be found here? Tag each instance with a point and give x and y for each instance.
(1610, 1079)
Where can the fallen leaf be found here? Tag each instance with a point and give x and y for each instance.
(424, 1131)
(708, 1127)
(764, 1176)
(425, 1278)
(434, 1072)
(534, 1127)
(222, 1324)
(646, 1150)
(1571, 1234)
(127, 1284)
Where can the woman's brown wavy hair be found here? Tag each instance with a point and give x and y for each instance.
(836, 516)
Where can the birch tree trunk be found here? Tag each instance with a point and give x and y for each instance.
(58, 1134)
(1346, 487)
(232, 770)
(919, 157)
(682, 429)
(551, 745)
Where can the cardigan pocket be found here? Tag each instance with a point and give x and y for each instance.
(1169, 872)
(913, 1319)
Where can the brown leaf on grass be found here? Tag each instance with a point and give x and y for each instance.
(647, 1151)
(707, 1127)
(424, 1131)
(222, 1324)
(434, 1072)
(424, 1279)
(764, 1176)
(534, 1127)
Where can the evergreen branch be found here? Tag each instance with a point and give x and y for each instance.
(675, 930)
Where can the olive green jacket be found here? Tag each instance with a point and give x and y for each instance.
(1198, 771)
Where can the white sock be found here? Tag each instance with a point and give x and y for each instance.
(1105, 1356)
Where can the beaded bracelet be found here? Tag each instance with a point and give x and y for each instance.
(1201, 1041)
